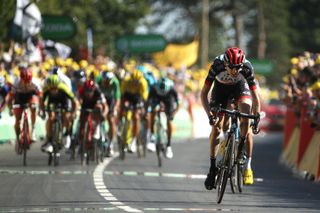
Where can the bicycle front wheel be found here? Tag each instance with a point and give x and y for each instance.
(225, 168)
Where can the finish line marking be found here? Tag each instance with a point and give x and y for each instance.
(105, 209)
(113, 173)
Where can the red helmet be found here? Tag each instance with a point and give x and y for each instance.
(234, 56)
(89, 85)
(25, 74)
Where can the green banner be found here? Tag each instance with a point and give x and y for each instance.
(58, 27)
(141, 43)
(263, 67)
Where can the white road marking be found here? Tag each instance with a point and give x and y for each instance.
(102, 188)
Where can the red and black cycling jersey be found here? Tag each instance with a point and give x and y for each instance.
(218, 72)
(89, 102)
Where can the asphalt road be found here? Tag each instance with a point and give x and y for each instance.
(138, 185)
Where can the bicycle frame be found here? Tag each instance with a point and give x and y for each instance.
(160, 135)
(24, 137)
(86, 140)
(57, 129)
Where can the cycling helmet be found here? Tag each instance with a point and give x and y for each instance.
(136, 75)
(53, 81)
(163, 86)
(142, 69)
(80, 75)
(108, 76)
(2, 80)
(55, 70)
(89, 85)
(25, 74)
(234, 57)
(315, 86)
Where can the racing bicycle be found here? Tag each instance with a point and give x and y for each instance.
(231, 163)
(24, 136)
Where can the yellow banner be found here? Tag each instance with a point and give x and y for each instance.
(178, 55)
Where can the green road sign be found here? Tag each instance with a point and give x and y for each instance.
(141, 43)
(263, 67)
(57, 27)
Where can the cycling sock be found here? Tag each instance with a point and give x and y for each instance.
(148, 134)
(212, 164)
(169, 143)
(249, 163)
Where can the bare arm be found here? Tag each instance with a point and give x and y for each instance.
(204, 98)
(256, 104)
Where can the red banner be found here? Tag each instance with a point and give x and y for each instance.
(306, 133)
(290, 123)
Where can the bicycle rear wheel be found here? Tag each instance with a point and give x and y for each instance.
(225, 168)
(240, 176)
(25, 144)
(83, 145)
(234, 170)
(56, 143)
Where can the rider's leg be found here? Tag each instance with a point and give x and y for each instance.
(135, 123)
(18, 115)
(112, 126)
(214, 142)
(67, 118)
(215, 132)
(244, 107)
(51, 117)
(249, 148)
(33, 102)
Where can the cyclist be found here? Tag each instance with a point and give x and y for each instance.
(233, 77)
(91, 97)
(65, 79)
(24, 90)
(110, 87)
(134, 90)
(78, 79)
(57, 93)
(164, 92)
(148, 75)
(4, 90)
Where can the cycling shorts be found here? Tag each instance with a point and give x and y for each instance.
(135, 100)
(223, 93)
(169, 105)
(24, 98)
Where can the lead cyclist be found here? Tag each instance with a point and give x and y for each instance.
(233, 77)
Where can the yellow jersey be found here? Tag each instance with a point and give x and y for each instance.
(133, 87)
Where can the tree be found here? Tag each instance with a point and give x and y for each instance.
(7, 10)
(304, 21)
(108, 18)
(277, 29)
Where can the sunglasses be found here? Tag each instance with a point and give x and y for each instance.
(232, 66)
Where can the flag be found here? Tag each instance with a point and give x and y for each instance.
(178, 55)
(28, 17)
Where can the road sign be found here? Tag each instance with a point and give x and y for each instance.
(57, 27)
(141, 43)
(262, 67)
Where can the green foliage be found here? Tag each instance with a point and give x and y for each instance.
(7, 11)
(277, 30)
(108, 18)
(305, 24)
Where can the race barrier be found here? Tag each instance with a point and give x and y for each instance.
(182, 127)
(301, 146)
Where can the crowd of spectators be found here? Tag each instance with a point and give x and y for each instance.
(188, 81)
(301, 87)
